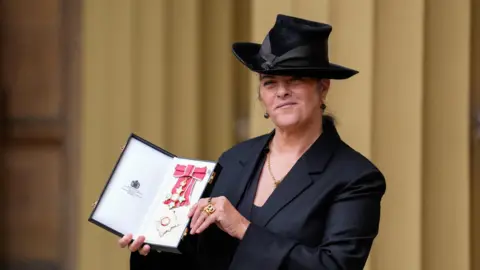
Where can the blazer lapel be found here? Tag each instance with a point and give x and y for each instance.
(312, 162)
(296, 181)
(248, 162)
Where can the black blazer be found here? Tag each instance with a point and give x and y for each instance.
(324, 215)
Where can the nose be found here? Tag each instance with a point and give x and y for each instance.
(282, 91)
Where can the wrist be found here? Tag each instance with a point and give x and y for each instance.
(243, 226)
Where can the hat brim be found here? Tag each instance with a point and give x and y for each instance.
(246, 53)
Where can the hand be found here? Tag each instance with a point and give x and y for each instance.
(225, 216)
(125, 240)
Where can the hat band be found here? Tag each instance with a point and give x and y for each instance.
(300, 56)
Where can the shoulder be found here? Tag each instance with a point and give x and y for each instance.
(356, 169)
(232, 162)
(243, 148)
(353, 159)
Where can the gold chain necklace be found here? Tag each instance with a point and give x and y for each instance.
(275, 181)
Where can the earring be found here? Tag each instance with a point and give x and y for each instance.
(323, 106)
(266, 115)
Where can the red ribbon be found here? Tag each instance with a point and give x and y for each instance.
(187, 175)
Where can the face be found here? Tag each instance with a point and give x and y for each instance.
(292, 101)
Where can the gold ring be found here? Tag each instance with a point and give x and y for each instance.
(209, 209)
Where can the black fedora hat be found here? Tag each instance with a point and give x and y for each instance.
(293, 47)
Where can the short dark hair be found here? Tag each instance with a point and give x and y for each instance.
(329, 118)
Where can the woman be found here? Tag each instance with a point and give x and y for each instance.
(297, 198)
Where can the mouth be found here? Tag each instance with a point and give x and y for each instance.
(286, 105)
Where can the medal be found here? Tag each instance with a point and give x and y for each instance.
(179, 195)
(166, 223)
(187, 176)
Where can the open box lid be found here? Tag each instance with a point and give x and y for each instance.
(132, 187)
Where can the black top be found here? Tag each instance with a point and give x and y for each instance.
(324, 214)
(246, 205)
(248, 209)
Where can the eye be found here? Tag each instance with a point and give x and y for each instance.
(296, 80)
(268, 82)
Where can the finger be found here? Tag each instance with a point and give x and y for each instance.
(144, 250)
(199, 221)
(198, 210)
(195, 216)
(208, 221)
(192, 210)
(123, 242)
(137, 244)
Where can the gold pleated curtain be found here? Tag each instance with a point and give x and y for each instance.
(164, 70)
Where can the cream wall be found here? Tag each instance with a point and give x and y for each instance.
(148, 66)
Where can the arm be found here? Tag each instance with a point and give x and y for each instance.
(350, 229)
(157, 261)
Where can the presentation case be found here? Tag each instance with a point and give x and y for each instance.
(150, 192)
